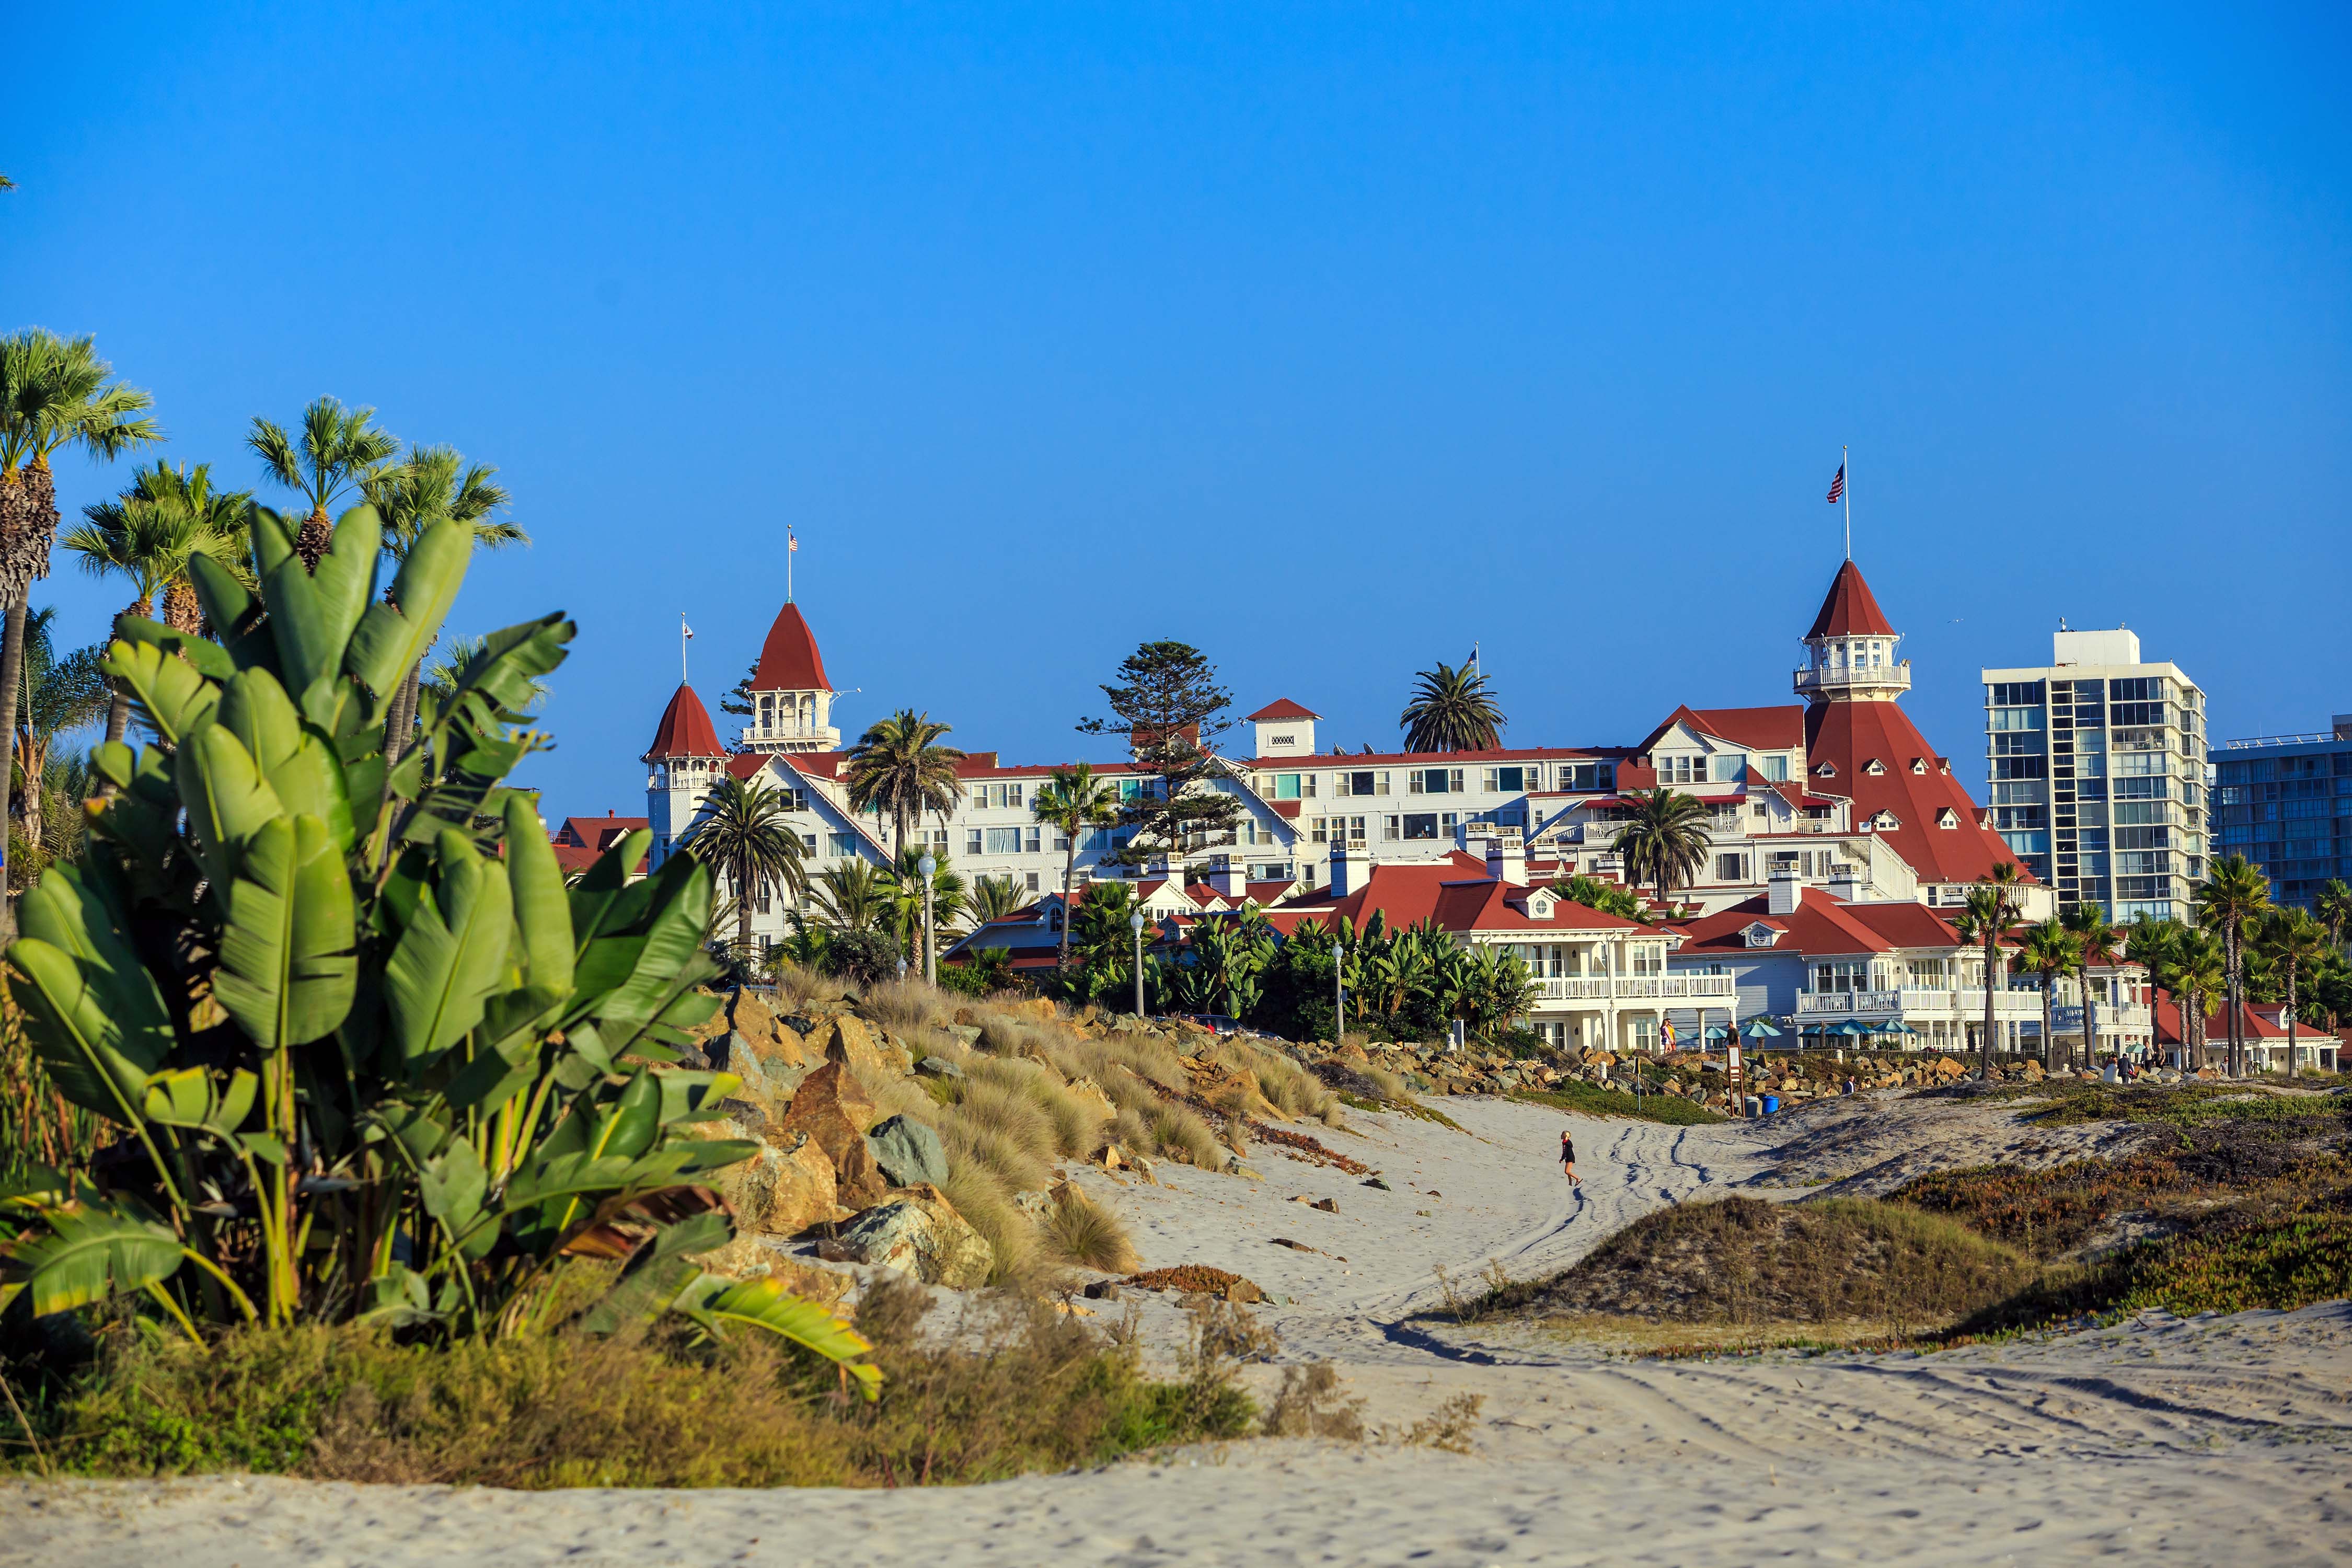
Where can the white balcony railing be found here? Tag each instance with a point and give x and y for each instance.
(1708, 988)
(1844, 678)
(1918, 1001)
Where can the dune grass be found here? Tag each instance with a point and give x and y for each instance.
(1017, 1388)
(1084, 1232)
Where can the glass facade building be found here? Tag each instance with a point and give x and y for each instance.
(2096, 775)
(2285, 802)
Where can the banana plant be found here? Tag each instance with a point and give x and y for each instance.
(366, 1055)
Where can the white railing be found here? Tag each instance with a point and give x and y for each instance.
(1918, 1000)
(1638, 987)
(1837, 677)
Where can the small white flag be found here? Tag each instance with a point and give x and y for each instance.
(687, 629)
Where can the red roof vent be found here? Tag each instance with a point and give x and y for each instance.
(1281, 708)
(685, 729)
(1849, 610)
(789, 659)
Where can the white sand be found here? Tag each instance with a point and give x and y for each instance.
(2211, 1441)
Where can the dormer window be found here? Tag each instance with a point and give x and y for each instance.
(1919, 766)
(1886, 821)
(1948, 818)
(1761, 935)
(1826, 771)
(1874, 768)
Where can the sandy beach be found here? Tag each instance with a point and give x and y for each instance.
(2208, 1440)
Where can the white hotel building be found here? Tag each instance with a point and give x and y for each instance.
(1840, 794)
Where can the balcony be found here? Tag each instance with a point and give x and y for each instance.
(1694, 988)
(1824, 679)
(1918, 1001)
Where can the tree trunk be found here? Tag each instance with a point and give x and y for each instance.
(2290, 1019)
(12, 662)
(2049, 1050)
(401, 721)
(2231, 989)
(311, 540)
(2090, 1026)
(1069, 869)
(183, 611)
(1984, 1056)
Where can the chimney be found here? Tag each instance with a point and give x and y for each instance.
(1783, 892)
(1349, 872)
(1228, 880)
(1506, 859)
(1845, 882)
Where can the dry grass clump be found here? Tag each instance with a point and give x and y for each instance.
(995, 1128)
(1178, 1134)
(1287, 1086)
(904, 1005)
(1129, 1132)
(1076, 1121)
(1391, 1086)
(985, 1200)
(1087, 1235)
(797, 987)
(1309, 1405)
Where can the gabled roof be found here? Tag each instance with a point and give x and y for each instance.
(2165, 1016)
(1820, 925)
(1281, 708)
(1456, 891)
(1849, 734)
(1778, 729)
(581, 839)
(1849, 610)
(788, 660)
(685, 729)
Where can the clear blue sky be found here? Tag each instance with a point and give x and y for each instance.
(1327, 339)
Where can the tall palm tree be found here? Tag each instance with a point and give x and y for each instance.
(1988, 916)
(2201, 974)
(55, 393)
(1073, 801)
(902, 885)
(2334, 907)
(2098, 937)
(339, 449)
(427, 485)
(62, 694)
(1593, 893)
(2297, 944)
(1452, 711)
(899, 768)
(1666, 844)
(2233, 900)
(2051, 952)
(148, 535)
(744, 835)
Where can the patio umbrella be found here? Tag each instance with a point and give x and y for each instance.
(1758, 1029)
(1715, 1032)
(1896, 1026)
(1851, 1026)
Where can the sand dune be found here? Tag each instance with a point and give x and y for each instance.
(2219, 1440)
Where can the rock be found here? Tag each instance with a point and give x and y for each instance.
(851, 1041)
(920, 1233)
(1036, 1206)
(937, 1066)
(1038, 1007)
(859, 1175)
(1087, 1090)
(908, 1152)
(969, 1034)
(1329, 1205)
(785, 1188)
(1375, 1183)
(1102, 1290)
(833, 1109)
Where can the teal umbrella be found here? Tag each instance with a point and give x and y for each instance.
(1715, 1032)
(1758, 1029)
(1851, 1026)
(1896, 1026)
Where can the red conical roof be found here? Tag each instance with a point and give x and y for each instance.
(1849, 610)
(685, 729)
(789, 659)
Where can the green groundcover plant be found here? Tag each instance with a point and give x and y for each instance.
(370, 1060)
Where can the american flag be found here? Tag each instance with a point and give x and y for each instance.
(1837, 486)
(793, 540)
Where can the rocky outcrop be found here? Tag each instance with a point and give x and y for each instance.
(908, 1152)
(917, 1232)
(833, 1107)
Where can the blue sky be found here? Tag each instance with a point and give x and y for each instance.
(1329, 339)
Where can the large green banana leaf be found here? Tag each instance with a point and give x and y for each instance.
(542, 913)
(313, 614)
(390, 638)
(85, 1249)
(712, 1301)
(452, 955)
(287, 970)
(224, 794)
(300, 762)
(167, 693)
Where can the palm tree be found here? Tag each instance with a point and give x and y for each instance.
(148, 535)
(1593, 893)
(903, 886)
(1073, 801)
(2334, 907)
(1666, 844)
(1452, 711)
(2051, 952)
(899, 767)
(2200, 971)
(1988, 915)
(2233, 900)
(55, 393)
(61, 695)
(744, 835)
(2297, 944)
(2098, 936)
(851, 896)
(339, 449)
(993, 898)
(429, 484)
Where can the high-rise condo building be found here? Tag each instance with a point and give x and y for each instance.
(2285, 802)
(2096, 767)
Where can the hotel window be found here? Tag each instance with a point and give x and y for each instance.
(1729, 767)
(1420, 825)
(1435, 780)
(1731, 867)
(1508, 781)
(1003, 841)
(841, 844)
(1287, 786)
(1061, 842)
(808, 842)
(1390, 827)
(972, 841)
(1033, 845)
(1033, 881)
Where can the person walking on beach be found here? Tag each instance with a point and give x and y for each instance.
(1568, 1158)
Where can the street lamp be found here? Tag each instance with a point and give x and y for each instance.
(1135, 924)
(930, 944)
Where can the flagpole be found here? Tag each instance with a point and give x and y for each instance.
(684, 632)
(792, 548)
(1845, 462)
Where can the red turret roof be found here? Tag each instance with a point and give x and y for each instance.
(1849, 610)
(1853, 735)
(789, 659)
(685, 729)
(1282, 708)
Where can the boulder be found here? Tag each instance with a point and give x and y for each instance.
(1090, 1092)
(937, 1066)
(858, 1046)
(917, 1232)
(783, 1189)
(833, 1109)
(908, 1152)
(860, 1178)
(969, 1034)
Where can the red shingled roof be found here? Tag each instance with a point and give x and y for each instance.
(1778, 729)
(1849, 610)
(1850, 734)
(1282, 708)
(582, 839)
(685, 729)
(788, 660)
(1456, 891)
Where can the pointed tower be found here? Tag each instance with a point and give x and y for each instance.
(1861, 745)
(687, 761)
(792, 702)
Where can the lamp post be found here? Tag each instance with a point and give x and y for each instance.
(1338, 991)
(930, 944)
(1135, 924)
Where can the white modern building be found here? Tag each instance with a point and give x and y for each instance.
(2096, 765)
(1840, 792)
